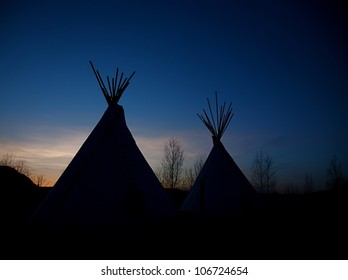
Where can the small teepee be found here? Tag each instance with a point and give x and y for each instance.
(108, 182)
(221, 188)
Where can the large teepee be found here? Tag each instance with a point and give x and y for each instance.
(108, 182)
(221, 188)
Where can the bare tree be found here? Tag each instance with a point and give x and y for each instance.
(22, 167)
(40, 180)
(263, 172)
(172, 164)
(189, 178)
(19, 164)
(192, 172)
(198, 164)
(334, 174)
(291, 188)
(308, 185)
(7, 160)
(158, 173)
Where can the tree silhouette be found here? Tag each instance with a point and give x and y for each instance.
(192, 172)
(171, 168)
(263, 172)
(40, 180)
(308, 185)
(22, 167)
(334, 174)
(18, 164)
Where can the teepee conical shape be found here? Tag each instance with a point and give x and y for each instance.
(108, 182)
(221, 188)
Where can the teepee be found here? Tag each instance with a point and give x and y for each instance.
(220, 188)
(108, 182)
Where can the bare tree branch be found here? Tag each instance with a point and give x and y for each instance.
(172, 163)
(334, 174)
(263, 172)
(192, 172)
(19, 164)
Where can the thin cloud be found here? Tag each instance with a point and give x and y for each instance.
(46, 150)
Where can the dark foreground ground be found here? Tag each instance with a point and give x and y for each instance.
(286, 230)
(306, 226)
(230, 238)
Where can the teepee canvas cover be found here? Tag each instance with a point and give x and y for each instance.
(221, 188)
(108, 182)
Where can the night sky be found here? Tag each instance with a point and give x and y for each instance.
(282, 64)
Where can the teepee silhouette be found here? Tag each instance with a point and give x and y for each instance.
(220, 188)
(108, 182)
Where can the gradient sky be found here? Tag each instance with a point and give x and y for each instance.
(282, 64)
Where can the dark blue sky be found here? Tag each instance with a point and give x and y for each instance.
(282, 64)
